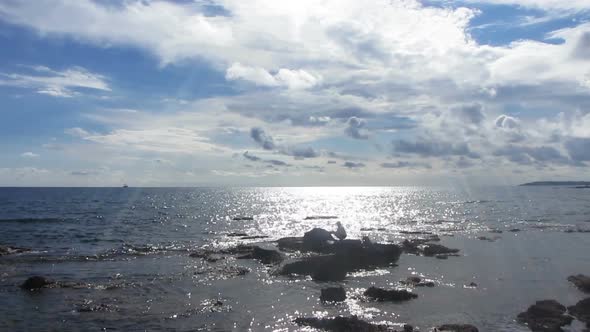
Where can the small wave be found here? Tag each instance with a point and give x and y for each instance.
(33, 220)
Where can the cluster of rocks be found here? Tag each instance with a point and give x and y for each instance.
(551, 316)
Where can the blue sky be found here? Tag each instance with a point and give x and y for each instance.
(228, 92)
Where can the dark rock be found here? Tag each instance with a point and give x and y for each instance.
(432, 249)
(489, 239)
(457, 328)
(333, 294)
(346, 256)
(236, 234)
(9, 250)
(497, 231)
(471, 285)
(393, 295)
(243, 218)
(35, 283)
(218, 303)
(545, 316)
(442, 256)
(417, 282)
(341, 324)
(581, 281)
(317, 238)
(408, 328)
(581, 311)
(254, 237)
(266, 256)
(320, 217)
(291, 244)
(514, 230)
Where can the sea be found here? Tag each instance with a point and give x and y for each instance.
(122, 256)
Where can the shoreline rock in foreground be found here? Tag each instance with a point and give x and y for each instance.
(545, 316)
(581, 311)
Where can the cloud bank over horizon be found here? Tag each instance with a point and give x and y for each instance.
(227, 92)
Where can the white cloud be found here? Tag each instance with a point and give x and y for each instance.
(29, 155)
(292, 79)
(569, 5)
(56, 83)
(77, 132)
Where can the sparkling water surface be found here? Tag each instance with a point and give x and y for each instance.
(128, 249)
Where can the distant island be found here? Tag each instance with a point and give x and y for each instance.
(577, 184)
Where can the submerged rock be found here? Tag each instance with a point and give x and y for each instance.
(341, 324)
(393, 295)
(581, 311)
(320, 217)
(457, 328)
(581, 281)
(545, 316)
(432, 249)
(36, 283)
(266, 256)
(333, 294)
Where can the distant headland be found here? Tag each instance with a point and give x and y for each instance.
(577, 184)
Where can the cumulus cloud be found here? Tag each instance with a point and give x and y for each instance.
(260, 136)
(66, 83)
(292, 79)
(267, 143)
(507, 122)
(355, 127)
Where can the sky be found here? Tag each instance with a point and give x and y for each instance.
(288, 93)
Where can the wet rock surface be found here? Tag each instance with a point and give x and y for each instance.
(393, 295)
(581, 281)
(457, 328)
(341, 324)
(333, 294)
(581, 311)
(545, 316)
(9, 250)
(265, 256)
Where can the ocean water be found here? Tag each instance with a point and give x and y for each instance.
(125, 252)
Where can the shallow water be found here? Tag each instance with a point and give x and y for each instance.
(127, 252)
